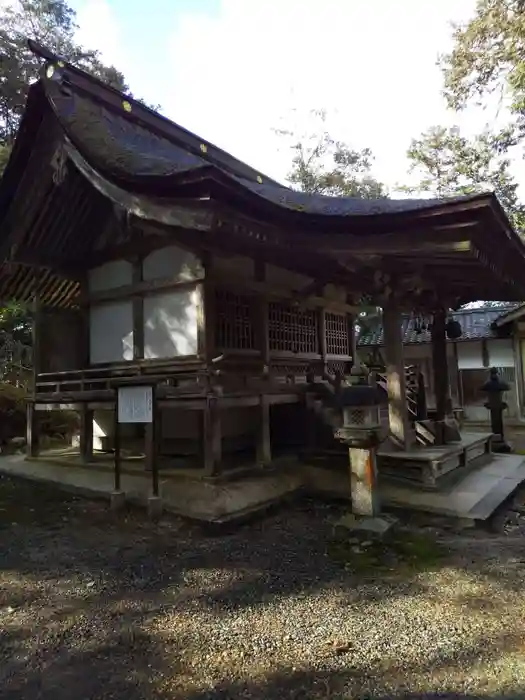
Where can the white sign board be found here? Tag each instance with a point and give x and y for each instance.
(135, 404)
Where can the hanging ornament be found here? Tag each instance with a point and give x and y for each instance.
(453, 329)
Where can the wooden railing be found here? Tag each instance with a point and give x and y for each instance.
(102, 379)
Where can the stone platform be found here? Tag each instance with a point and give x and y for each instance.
(475, 496)
(472, 492)
(204, 500)
(427, 466)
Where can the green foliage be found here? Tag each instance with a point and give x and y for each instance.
(51, 23)
(488, 56)
(13, 402)
(449, 164)
(322, 165)
(15, 343)
(16, 320)
(5, 151)
(398, 552)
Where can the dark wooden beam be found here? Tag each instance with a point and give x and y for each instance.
(212, 437)
(86, 434)
(138, 288)
(138, 312)
(197, 215)
(440, 367)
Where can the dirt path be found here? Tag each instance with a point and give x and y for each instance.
(98, 606)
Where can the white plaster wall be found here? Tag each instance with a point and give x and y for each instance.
(423, 351)
(111, 332)
(173, 263)
(476, 413)
(170, 324)
(501, 352)
(117, 273)
(103, 423)
(470, 355)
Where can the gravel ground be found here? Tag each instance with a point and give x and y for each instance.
(98, 606)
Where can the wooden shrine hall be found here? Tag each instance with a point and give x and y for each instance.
(153, 258)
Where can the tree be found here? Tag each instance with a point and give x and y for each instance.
(448, 164)
(488, 57)
(322, 165)
(15, 342)
(4, 156)
(51, 23)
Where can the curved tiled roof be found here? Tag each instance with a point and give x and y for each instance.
(117, 142)
(476, 324)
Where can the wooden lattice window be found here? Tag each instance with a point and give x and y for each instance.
(292, 329)
(234, 327)
(342, 368)
(337, 340)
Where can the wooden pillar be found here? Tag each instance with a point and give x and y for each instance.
(261, 320)
(440, 370)
(32, 434)
(151, 437)
(206, 319)
(32, 425)
(401, 431)
(116, 443)
(138, 313)
(212, 437)
(352, 338)
(86, 434)
(321, 330)
(264, 445)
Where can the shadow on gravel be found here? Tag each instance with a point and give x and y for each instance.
(81, 591)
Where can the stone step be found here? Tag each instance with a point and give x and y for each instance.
(474, 494)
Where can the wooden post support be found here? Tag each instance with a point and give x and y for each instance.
(152, 433)
(138, 313)
(116, 443)
(212, 437)
(261, 319)
(32, 424)
(264, 445)
(32, 433)
(321, 331)
(363, 474)
(441, 375)
(206, 318)
(400, 430)
(352, 338)
(86, 434)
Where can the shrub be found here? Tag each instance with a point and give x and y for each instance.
(13, 402)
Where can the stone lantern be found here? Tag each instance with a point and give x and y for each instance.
(361, 431)
(495, 387)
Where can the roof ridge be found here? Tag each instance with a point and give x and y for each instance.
(139, 113)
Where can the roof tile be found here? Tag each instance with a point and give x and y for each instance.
(476, 324)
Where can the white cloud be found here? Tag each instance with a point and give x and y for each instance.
(236, 75)
(371, 64)
(99, 29)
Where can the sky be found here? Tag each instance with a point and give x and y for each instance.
(234, 71)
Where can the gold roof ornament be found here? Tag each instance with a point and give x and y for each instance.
(259, 179)
(50, 70)
(204, 148)
(126, 106)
